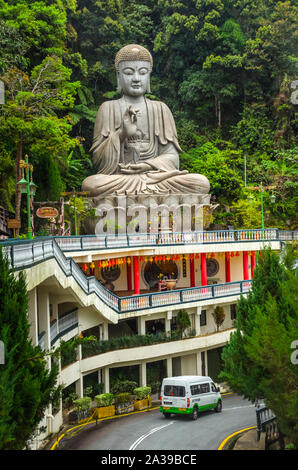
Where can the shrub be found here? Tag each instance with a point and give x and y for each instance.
(124, 386)
(122, 398)
(142, 392)
(183, 321)
(105, 399)
(219, 316)
(97, 389)
(82, 404)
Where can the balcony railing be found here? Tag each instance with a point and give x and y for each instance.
(66, 323)
(102, 242)
(178, 296)
(25, 254)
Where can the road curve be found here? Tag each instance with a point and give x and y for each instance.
(151, 431)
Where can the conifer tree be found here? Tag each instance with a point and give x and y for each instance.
(27, 386)
(257, 359)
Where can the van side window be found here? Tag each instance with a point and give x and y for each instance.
(205, 388)
(195, 389)
(213, 388)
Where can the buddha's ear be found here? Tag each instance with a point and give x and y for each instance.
(148, 86)
(119, 86)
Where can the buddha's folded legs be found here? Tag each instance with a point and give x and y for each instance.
(146, 183)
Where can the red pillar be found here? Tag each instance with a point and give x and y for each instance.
(228, 267)
(253, 262)
(128, 275)
(136, 275)
(203, 270)
(192, 273)
(245, 266)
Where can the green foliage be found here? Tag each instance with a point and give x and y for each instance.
(122, 398)
(99, 347)
(82, 404)
(79, 208)
(123, 386)
(105, 399)
(7, 180)
(219, 316)
(142, 392)
(27, 386)
(224, 68)
(183, 321)
(257, 359)
(220, 165)
(246, 212)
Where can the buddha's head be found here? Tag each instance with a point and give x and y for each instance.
(133, 65)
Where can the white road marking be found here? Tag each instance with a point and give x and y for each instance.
(140, 439)
(238, 407)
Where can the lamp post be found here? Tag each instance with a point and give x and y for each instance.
(2, 92)
(75, 193)
(261, 188)
(27, 187)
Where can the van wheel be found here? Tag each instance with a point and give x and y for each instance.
(194, 414)
(167, 415)
(218, 407)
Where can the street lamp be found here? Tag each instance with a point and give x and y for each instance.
(74, 194)
(272, 198)
(2, 92)
(27, 186)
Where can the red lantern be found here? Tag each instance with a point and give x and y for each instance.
(84, 267)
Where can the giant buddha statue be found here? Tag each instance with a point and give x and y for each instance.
(135, 149)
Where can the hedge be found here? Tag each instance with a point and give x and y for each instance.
(99, 347)
(122, 398)
(142, 392)
(105, 399)
(82, 404)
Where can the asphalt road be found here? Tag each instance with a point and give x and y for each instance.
(151, 431)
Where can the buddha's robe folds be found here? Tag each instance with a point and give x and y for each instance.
(157, 147)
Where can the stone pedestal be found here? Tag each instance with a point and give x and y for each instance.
(139, 213)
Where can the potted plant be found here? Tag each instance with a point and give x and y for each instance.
(143, 399)
(123, 403)
(171, 282)
(81, 410)
(105, 405)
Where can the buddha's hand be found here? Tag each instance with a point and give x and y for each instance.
(133, 168)
(129, 123)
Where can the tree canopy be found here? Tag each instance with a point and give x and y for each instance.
(225, 68)
(257, 359)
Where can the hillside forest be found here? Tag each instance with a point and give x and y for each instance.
(227, 69)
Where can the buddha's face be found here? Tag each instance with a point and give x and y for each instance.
(134, 77)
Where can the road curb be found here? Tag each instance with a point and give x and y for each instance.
(225, 443)
(76, 427)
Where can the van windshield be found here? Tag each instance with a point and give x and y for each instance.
(174, 391)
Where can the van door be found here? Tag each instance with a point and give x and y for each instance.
(214, 393)
(205, 396)
(174, 396)
(199, 395)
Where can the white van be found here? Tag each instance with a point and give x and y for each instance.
(189, 394)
